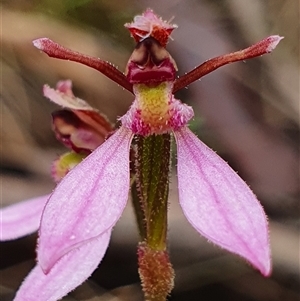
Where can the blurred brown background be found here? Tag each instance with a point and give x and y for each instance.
(248, 112)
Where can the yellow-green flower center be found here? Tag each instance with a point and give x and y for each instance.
(154, 105)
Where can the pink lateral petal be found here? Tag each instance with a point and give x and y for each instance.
(21, 219)
(88, 201)
(68, 273)
(219, 204)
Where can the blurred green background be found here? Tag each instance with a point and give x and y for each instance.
(248, 112)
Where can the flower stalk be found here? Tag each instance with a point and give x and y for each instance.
(152, 168)
(152, 175)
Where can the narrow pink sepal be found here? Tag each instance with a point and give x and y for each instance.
(69, 272)
(219, 204)
(88, 201)
(21, 219)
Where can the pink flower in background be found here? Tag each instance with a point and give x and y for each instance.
(81, 212)
(82, 129)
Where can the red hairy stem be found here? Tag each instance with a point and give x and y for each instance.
(156, 273)
(55, 50)
(266, 45)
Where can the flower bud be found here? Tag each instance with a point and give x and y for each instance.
(62, 165)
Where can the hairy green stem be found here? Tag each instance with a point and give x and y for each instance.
(152, 178)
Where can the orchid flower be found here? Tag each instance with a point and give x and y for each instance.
(83, 209)
(82, 129)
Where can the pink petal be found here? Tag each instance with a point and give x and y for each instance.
(219, 204)
(21, 219)
(64, 97)
(69, 272)
(88, 201)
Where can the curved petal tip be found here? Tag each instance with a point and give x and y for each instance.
(219, 204)
(69, 272)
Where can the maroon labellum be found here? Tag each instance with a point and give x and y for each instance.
(150, 63)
